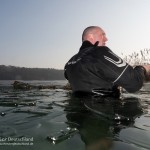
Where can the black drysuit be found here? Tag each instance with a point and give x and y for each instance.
(96, 68)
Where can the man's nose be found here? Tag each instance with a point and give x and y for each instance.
(106, 39)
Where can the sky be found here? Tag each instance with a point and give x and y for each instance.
(46, 33)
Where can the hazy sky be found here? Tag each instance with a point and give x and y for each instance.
(46, 33)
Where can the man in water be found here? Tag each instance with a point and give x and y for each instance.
(96, 70)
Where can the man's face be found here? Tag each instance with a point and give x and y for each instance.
(101, 37)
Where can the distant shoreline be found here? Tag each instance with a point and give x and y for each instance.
(23, 73)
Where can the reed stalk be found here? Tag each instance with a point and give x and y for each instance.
(138, 58)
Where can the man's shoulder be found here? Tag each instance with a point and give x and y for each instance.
(105, 48)
(101, 50)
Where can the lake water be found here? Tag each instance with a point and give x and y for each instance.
(54, 120)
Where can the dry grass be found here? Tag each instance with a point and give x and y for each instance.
(138, 58)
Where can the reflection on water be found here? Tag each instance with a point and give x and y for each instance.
(55, 120)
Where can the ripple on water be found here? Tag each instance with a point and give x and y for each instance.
(135, 136)
(118, 145)
(143, 122)
(7, 131)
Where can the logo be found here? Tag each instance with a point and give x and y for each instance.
(119, 63)
(73, 62)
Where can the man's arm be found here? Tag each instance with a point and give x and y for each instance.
(121, 73)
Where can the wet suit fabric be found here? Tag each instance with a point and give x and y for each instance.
(96, 68)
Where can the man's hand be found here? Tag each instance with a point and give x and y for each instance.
(147, 68)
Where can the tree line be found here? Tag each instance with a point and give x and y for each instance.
(23, 73)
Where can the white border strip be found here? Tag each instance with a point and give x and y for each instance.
(121, 73)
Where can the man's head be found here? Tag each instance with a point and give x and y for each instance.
(94, 34)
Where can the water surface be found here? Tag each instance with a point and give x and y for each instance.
(54, 120)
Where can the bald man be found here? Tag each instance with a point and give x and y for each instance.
(96, 70)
